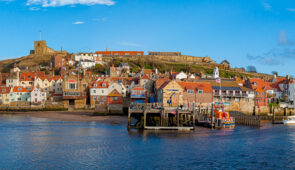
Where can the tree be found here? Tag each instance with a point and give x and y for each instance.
(251, 69)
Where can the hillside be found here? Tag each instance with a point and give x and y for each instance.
(30, 61)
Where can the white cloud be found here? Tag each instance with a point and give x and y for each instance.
(266, 6)
(291, 9)
(130, 44)
(57, 3)
(78, 22)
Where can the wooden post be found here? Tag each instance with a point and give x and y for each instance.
(144, 119)
(273, 115)
(129, 118)
(194, 120)
(177, 118)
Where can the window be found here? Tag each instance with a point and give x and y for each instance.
(94, 98)
(115, 98)
(190, 91)
(102, 91)
(98, 98)
(35, 94)
(72, 85)
(200, 91)
(246, 100)
(95, 85)
(3, 90)
(94, 91)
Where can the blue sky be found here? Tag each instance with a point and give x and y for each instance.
(245, 32)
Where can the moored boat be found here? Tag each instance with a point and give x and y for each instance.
(223, 119)
(289, 120)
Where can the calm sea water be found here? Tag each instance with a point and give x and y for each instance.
(35, 143)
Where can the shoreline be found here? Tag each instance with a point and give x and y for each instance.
(76, 116)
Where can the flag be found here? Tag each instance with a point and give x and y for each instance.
(218, 81)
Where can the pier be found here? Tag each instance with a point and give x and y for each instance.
(154, 117)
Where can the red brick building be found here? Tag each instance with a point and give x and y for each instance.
(197, 93)
(58, 61)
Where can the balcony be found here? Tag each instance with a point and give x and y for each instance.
(231, 95)
(138, 96)
(74, 95)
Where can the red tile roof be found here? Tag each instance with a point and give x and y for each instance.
(4, 90)
(22, 89)
(206, 87)
(27, 76)
(99, 84)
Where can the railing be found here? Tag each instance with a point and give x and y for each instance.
(144, 106)
(73, 94)
(231, 95)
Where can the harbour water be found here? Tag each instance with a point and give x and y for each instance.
(39, 143)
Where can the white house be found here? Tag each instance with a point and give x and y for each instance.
(119, 87)
(85, 64)
(96, 58)
(20, 94)
(181, 76)
(38, 96)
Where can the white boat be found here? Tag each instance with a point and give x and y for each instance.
(290, 120)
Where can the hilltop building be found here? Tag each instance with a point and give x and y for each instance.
(120, 53)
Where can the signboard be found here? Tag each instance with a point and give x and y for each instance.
(172, 90)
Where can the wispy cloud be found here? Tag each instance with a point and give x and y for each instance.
(284, 52)
(266, 5)
(130, 44)
(34, 9)
(57, 3)
(78, 22)
(283, 39)
(291, 9)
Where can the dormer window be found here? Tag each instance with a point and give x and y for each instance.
(255, 84)
(200, 91)
(103, 84)
(95, 85)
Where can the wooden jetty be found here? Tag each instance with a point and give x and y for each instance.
(244, 119)
(151, 117)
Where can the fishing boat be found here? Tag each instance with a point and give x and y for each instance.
(289, 120)
(223, 119)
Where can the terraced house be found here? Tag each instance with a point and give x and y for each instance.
(98, 93)
(228, 90)
(75, 88)
(4, 95)
(20, 94)
(197, 94)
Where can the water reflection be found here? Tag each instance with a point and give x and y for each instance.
(34, 143)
